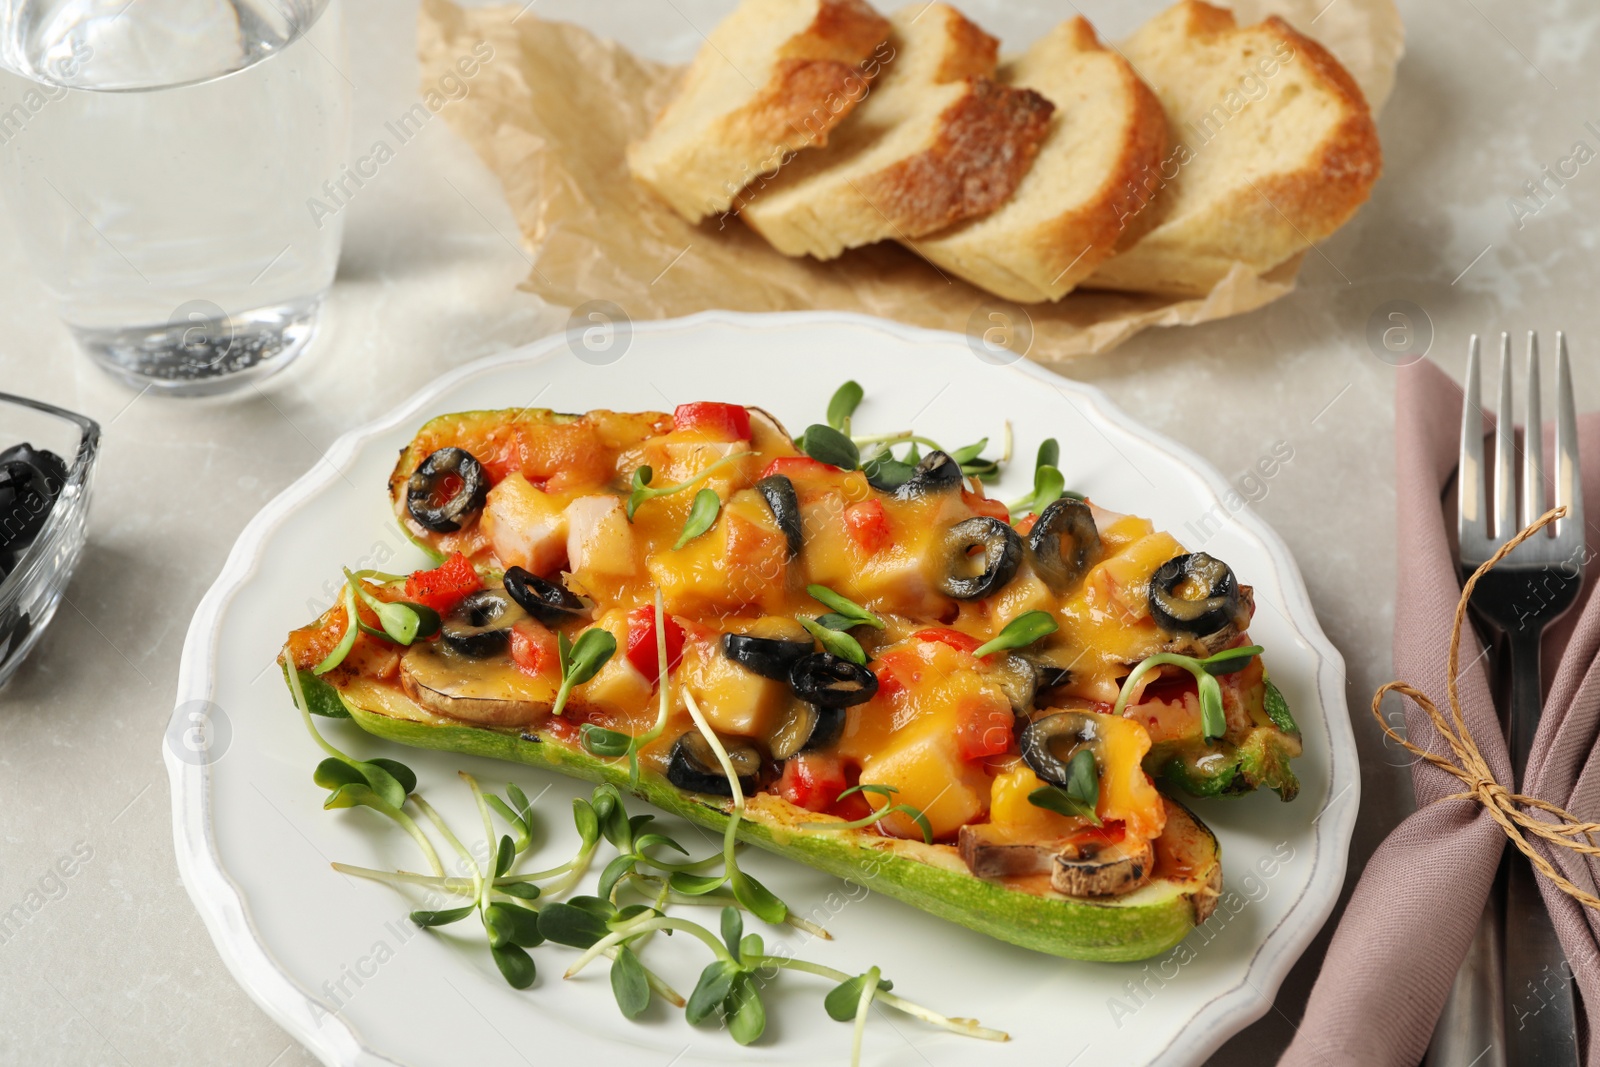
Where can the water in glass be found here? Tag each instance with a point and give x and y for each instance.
(159, 158)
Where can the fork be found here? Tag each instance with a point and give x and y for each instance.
(1531, 588)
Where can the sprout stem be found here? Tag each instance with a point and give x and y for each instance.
(460, 886)
(967, 1027)
(869, 988)
(454, 842)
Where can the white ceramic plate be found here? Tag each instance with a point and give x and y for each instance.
(335, 961)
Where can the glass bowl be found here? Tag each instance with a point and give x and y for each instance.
(31, 589)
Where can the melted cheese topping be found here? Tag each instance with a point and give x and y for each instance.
(939, 732)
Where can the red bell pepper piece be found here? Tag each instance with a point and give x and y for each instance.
(443, 587)
(642, 642)
(722, 422)
(868, 526)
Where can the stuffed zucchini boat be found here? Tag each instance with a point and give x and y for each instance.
(904, 686)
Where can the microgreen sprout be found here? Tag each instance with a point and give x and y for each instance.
(581, 660)
(1020, 632)
(399, 621)
(843, 405)
(879, 814)
(825, 444)
(1213, 720)
(1049, 485)
(702, 516)
(1080, 796)
(522, 911)
(836, 642)
(642, 490)
(846, 612)
(832, 443)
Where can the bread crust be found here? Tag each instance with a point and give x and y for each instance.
(1032, 261)
(818, 77)
(964, 142)
(987, 141)
(1265, 221)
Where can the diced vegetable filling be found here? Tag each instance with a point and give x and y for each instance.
(896, 653)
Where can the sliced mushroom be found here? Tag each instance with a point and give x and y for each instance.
(489, 692)
(989, 854)
(1091, 869)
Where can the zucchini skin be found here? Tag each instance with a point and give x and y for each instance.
(1072, 929)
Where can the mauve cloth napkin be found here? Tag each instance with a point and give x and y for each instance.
(1412, 916)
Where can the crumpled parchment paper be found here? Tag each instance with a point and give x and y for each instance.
(554, 107)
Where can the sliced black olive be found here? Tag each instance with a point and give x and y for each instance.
(766, 656)
(30, 481)
(426, 498)
(1002, 554)
(827, 680)
(480, 626)
(1048, 677)
(936, 473)
(778, 492)
(694, 767)
(46, 462)
(1049, 743)
(807, 727)
(1018, 678)
(1065, 544)
(546, 601)
(1193, 594)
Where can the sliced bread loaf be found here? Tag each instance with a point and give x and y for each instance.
(1274, 148)
(935, 142)
(771, 80)
(1080, 196)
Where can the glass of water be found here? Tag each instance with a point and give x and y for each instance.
(164, 162)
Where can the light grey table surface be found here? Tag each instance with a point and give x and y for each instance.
(117, 967)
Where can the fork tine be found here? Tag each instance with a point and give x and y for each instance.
(1569, 482)
(1471, 521)
(1532, 442)
(1505, 478)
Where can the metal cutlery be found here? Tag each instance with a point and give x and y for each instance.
(1529, 1020)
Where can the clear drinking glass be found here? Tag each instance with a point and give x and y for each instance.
(164, 162)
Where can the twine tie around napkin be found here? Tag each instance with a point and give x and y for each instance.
(1503, 805)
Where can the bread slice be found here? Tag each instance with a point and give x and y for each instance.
(1274, 149)
(1080, 197)
(772, 79)
(935, 142)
